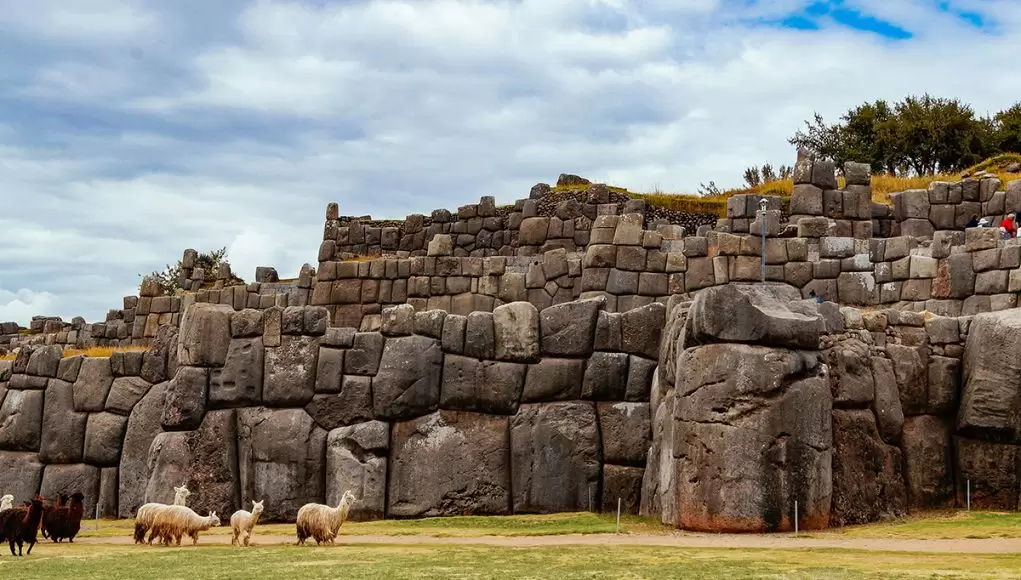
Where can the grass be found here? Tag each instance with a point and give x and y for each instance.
(456, 562)
(450, 527)
(94, 352)
(949, 525)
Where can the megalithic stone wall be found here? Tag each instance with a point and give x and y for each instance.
(511, 411)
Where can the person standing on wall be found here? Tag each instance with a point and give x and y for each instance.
(1008, 226)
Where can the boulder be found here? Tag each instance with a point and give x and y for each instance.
(887, 407)
(125, 393)
(516, 332)
(63, 432)
(553, 379)
(753, 433)
(93, 385)
(623, 483)
(482, 386)
(68, 479)
(204, 460)
(143, 426)
(104, 435)
(356, 460)
(45, 361)
(21, 418)
(569, 329)
(640, 330)
(205, 335)
(658, 495)
(408, 382)
(928, 462)
(449, 463)
(289, 374)
(555, 457)
(239, 382)
(626, 432)
(606, 376)
(990, 403)
(20, 475)
(353, 404)
(185, 403)
(910, 369)
(992, 472)
(753, 314)
(281, 460)
(851, 379)
(868, 484)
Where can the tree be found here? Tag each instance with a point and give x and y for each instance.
(169, 279)
(1007, 130)
(752, 177)
(864, 134)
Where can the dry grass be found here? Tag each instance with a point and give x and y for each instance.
(943, 525)
(94, 352)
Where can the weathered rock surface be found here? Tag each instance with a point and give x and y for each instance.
(125, 393)
(569, 329)
(990, 404)
(994, 472)
(281, 460)
(143, 426)
(63, 430)
(69, 479)
(450, 463)
(753, 433)
(205, 335)
(353, 404)
(626, 432)
(482, 386)
(928, 462)
(239, 382)
(408, 382)
(93, 385)
(356, 460)
(868, 484)
(185, 403)
(104, 435)
(754, 315)
(21, 417)
(555, 457)
(20, 475)
(624, 483)
(290, 372)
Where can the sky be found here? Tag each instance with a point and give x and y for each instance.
(133, 129)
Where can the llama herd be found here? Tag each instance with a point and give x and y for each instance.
(21, 525)
(62, 520)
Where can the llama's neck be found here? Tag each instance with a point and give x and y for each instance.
(76, 509)
(340, 512)
(179, 498)
(255, 516)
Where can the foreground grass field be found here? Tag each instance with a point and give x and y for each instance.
(84, 562)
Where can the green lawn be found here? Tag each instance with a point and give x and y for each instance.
(531, 525)
(109, 562)
(943, 525)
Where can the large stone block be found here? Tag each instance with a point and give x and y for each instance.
(887, 407)
(606, 376)
(626, 432)
(482, 386)
(868, 484)
(134, 472)
(569, 329)
(910, 365)
(516, 332)
(806, 200)
(45, 361)
(289, 375)
(186, 398)
(125, 393)
(752, 434)
(20, 475)
(408, 382)
(356, 461)
(991, 400)
(640, 330)
(93, 385)
(205, 461)
(450, 463)
(990, 471)
(553, 379)
(281, 460)
(21, 418)
(851, 374)
(104, 435)
(63, 430)
(624, 484)
(555, 457)
(753, 314)
(68, 479)
(353, 404)
(205, 335)
(928, 462)
(239, 382)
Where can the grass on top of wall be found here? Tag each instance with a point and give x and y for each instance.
(94, 352)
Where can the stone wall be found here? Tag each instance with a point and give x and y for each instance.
(510, 411)
(950, 206)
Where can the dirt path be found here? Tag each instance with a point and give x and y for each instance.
(686, 540)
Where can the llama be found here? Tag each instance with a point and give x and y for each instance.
(65, 521)
(6, 502)
(175, 521)
(321, 522)
(144, 515)
(49, 510)
(243, 522)
(21, 524)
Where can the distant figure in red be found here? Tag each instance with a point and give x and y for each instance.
(1008, 226)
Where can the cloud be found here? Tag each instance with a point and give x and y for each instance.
(133, 130)
(24, 304)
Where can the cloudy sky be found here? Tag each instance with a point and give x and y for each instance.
(132, 129)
